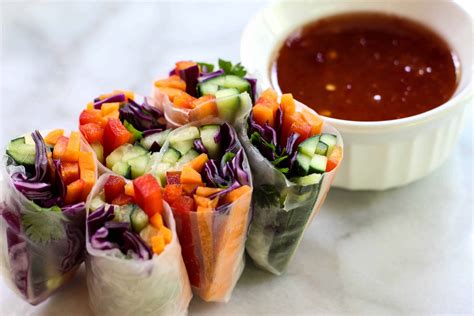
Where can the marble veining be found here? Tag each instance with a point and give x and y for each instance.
(402, 251)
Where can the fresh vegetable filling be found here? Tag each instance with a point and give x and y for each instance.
(57, 177)
(129, 216)
(210, 164)
(291, 139)
(122, 132)
(204, 92)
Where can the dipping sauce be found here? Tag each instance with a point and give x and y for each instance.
(366, 67)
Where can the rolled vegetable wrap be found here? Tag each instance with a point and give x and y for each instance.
(134, 263)
(46, 183)
(194, 91)
(124, 129)
(294, 157)
(207, 182)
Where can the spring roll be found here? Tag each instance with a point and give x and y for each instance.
(124, 129)
(207, 182)
(294, 157)
(194, 91)
(134, 263)
(46, 183)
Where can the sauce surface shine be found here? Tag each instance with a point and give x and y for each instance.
(366, 67)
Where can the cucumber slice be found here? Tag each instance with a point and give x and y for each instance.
(208, 88)
(190, 155)
(117, 155)
(309, 179)
(212, 86)
(139, 219)
(302, 164)
(22, 153)
(134, 152)
(29, 139)
(228, 103)
(308, 147)
(122, 213)
(159, 138)
(96, 202)
(183, 139)
(171, 156)
(208, 133)
(231, 81)
(99, 151)
(18, 141)
(329, 140)
(322, 149)
(318, 164)
(139, 165)
(122, 168)
(160, 172)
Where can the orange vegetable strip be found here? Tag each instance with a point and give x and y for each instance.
(53, 136)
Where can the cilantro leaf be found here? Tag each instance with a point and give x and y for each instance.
(209, 67)
(43, 225)
(229, 69)
(279, 160)
(266, 196)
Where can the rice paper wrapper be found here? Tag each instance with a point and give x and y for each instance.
(282, 210)
(213, 243)
(119, 286)
(180, 116)
(40, 249)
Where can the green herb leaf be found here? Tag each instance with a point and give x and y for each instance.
(256, 139)
(279, 160)
(229, 69)
(209, 67)
(266, 196)
(43, 225)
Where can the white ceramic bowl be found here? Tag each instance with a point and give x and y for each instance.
(384, 154)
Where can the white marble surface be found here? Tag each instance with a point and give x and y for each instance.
(402, 251)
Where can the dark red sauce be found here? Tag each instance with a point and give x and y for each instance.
(366, 67)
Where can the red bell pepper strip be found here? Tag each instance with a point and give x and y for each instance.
(148, 194)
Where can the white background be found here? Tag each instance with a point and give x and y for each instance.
(406, 250)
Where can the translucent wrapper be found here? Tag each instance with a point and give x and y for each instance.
(177, 117)
(282, 210)
(40, 249)
(119, 286)
(213, 242)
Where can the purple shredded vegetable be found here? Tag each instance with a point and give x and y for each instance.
(115, 98)
(41, 158)
(199, 146)
(152, 131)
(278, 122)
(143, 117)
(230, 188)
(155, 147)
(269, 134)
(59, 185)
(99, 217)
(74, 210)
(210, 75)
(99, 240)
(253, 88)
(134, 243)
(190, 76)
(291, 145)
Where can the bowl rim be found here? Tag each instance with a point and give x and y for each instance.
(464, 94)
